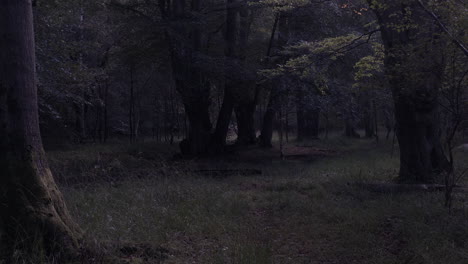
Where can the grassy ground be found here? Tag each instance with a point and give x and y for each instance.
(141, 206)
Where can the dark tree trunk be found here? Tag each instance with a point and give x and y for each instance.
(80, 121)
(368, 125)
(327, 124)
(231, 52)
(300, 115)
(224, 119)
(376, 123)
(249, 91)
(350, 129)
(388, 117)
(313, 123)
(190, 81)
(308, 122)
(280, 26)
(106, 107)
(368, 117)
(414, 64)
(34, 217)
(131, 107)
(245, 123)
(266, 135)
(199, 133)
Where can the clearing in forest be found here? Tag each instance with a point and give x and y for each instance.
(138, 205)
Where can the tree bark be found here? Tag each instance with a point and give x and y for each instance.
(266, 135)
(245, 123)
(281, 27)
(414, 65)
(33, 213)
(190, 82)
(224, 119)
(249, 91)
(199, 133)
(218, 141)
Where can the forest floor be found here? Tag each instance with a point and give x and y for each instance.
(136, 204)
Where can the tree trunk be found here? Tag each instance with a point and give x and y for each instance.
(224, 118)
(350, 129)
(106, 107)
(327, 124)
(218, 141)
(368, 118)
(199, 133)
(281, 26)
(190, 82)
(368, 124)
(266, 134)
(245, 123)
(414, 64)
(313, 123)
(308, 123)
(80, 121)
(249, 91)
(34, 217)
(131, 106)
(300, 115)
(376, 123)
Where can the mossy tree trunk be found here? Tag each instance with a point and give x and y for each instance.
(34, 217)
(414, 65)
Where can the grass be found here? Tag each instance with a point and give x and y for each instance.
(296, 211)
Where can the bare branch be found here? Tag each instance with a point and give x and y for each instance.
(444, 28)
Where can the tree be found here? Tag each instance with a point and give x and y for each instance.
(414, 65)
(33, 212)
(231, 52)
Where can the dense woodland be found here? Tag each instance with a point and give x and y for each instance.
(236, 131)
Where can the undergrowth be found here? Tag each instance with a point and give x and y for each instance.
(137, 204)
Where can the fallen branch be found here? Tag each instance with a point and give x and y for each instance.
(402, 188)
(227, 172)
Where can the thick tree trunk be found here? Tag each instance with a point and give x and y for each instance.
(247, 101)
(414, 64)
(218, 141)
(34, 217)
(245, 123)
(190, 82)
(199, 134)
(224, 119)
(281, 26)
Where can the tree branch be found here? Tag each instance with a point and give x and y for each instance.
(444, 28)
